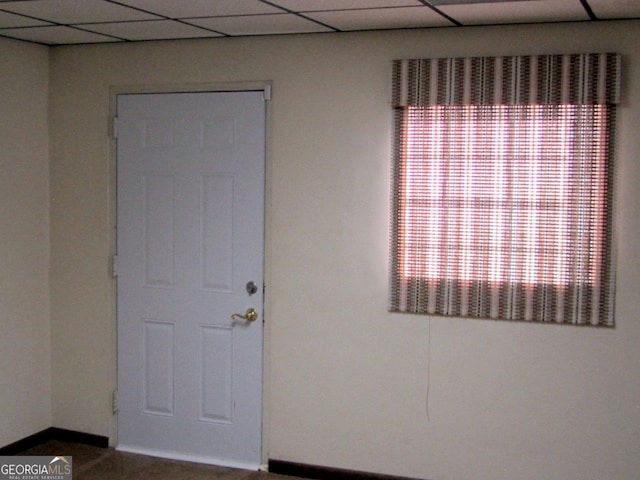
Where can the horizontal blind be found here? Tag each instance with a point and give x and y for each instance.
(504, 211)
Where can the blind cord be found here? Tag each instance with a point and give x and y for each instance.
(428, 369)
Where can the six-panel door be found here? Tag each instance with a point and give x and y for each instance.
(190, 237)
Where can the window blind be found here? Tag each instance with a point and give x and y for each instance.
(502, 187)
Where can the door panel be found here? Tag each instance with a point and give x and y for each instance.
(190, 237)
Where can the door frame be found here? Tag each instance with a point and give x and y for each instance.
(114, 91)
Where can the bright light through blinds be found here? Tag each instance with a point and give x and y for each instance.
(510, 199)
(502, 194)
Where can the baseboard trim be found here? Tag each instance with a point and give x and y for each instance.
(325, 473)
(26, 443)
(63, 435)
(53, 433)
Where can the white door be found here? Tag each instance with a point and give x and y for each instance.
(190, 254)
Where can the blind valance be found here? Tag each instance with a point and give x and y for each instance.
(577, 79)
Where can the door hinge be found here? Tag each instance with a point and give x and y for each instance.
(114, 266)
(114, 401)
(114, 127)
(266, 93)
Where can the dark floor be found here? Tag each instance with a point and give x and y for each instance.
(94, 463)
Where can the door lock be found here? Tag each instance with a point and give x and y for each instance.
(251, 288)
(251, 315)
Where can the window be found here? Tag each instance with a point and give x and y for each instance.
(502, 188)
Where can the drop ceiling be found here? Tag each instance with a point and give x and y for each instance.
(66, 22)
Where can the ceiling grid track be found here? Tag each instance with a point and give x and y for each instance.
(76, 22)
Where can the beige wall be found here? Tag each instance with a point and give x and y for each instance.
(25, 385)
(346, 380)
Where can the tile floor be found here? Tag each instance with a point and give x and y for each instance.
(94, 463)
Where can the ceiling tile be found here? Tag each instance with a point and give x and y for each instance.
(260, 24)
(517, 12)
(150, 30)
(76, 11)
(369, 19)
(615, 9)
(8, 20)
(319, 5)
(27, 19)
(202, 8)
(57, 35)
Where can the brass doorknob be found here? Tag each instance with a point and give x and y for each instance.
(251, 315)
